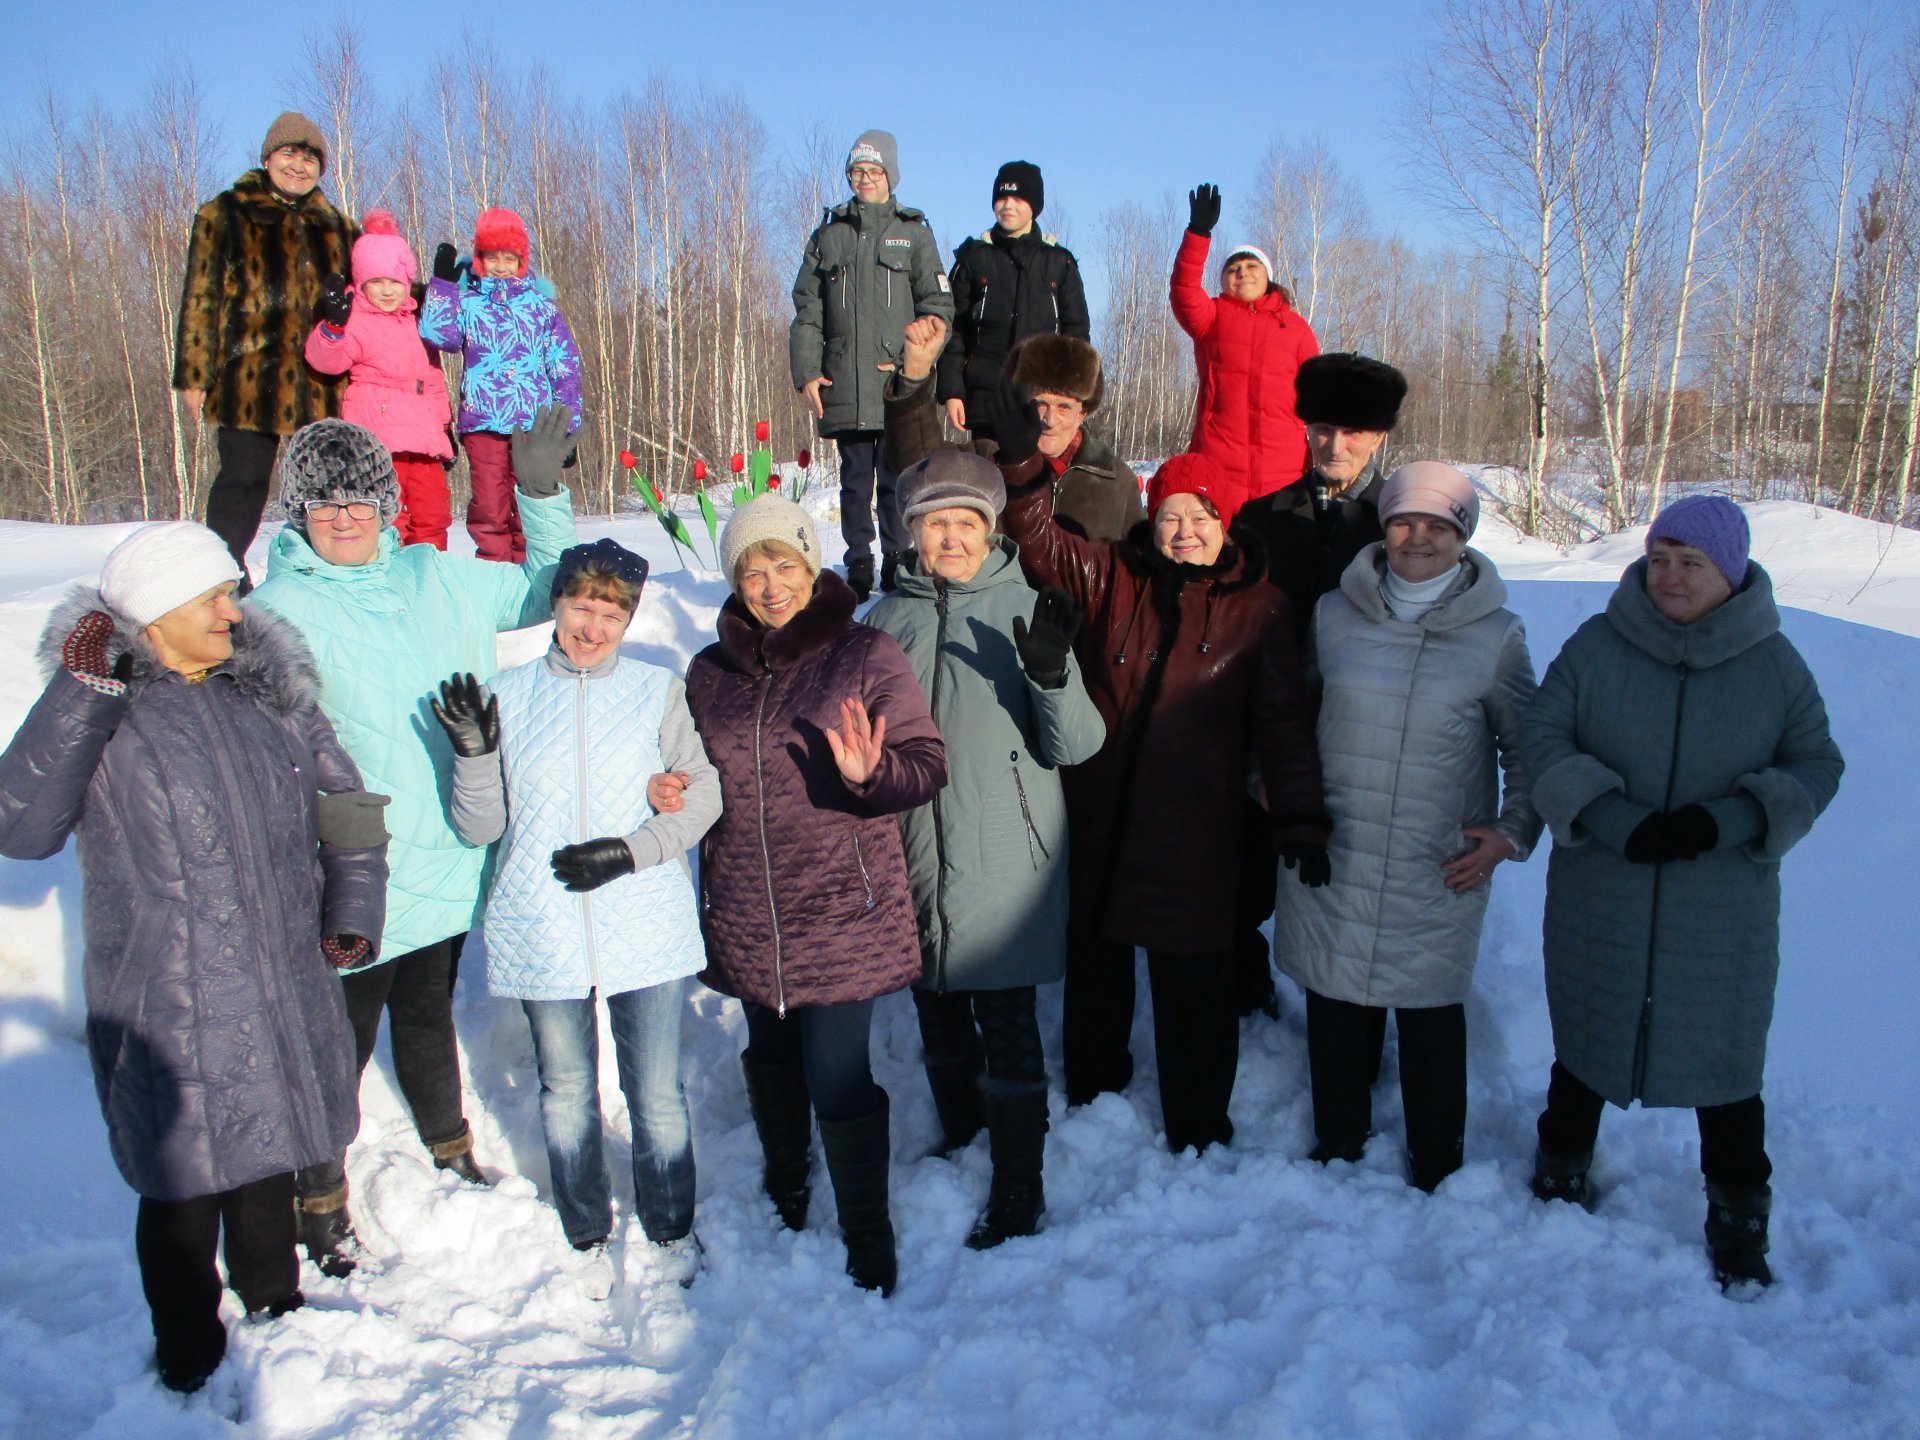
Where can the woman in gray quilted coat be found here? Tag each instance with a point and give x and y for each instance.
(987, 855)
(1679, 748)
(227, 855)
(1424, 678)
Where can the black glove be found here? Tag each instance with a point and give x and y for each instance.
(1203, 209)
(1683, 834)
(84, 653)
(1044, 645)
(1312, 861)
(343, 952)
(1007, 415)
(472, 726)
(335, 304)
(592, 863)
(539, 453)
(446, 262)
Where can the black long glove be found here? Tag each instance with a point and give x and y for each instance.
(541, 452)
(446, 262)
(1203, 209)
(1045, 644)
(1683, 834)
(1312, 861)
(335, 304)
(1006, 414)
(592, 863)
(471, 724)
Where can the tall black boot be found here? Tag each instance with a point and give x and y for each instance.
(857, 1161)
(956, 1099)
(1017, 1135)
(1737, 1234)
(782, 1113)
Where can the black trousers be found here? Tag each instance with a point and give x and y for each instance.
(990, 1031)
(415, 992)
(1196, 1033)
(1733, 1137)
(866, 477)
(1343, 1059)
(176, 1240)
(829, 1044)
(238, 496)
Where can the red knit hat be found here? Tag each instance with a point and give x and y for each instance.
(1190, 474)
(498, 230)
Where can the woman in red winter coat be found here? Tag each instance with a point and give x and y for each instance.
(1248, 343)
(1191, 661)
(822, 736)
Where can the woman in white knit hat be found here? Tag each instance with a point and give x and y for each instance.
(227, 855)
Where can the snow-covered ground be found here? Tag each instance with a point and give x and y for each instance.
(1244, 1293)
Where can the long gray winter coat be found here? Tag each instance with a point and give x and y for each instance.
(1412, 718)
(218, 1032)
(987, 855)
(1660, 977)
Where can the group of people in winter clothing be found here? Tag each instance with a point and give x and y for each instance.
(1078, 726)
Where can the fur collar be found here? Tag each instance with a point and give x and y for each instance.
(752, 649)
(1747, 617)
(1241, 564)
(254, 189)
(270, 663)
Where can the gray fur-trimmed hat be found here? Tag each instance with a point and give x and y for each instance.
(1354, 392)
(336, 460)
(1057, 365)
(949, 478)
(769, 517)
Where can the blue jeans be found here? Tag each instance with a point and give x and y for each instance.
(646, 1045)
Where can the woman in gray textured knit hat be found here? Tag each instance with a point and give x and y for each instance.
(821, 737)
(387, 622)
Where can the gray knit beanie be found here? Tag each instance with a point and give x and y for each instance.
(953, 477)
(769, 517)
(335, 460)
(877, 147)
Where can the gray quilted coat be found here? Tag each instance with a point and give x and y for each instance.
(1660, 978)
(987, 855)
(1412, 718)
(218, 1032)
(803, 882)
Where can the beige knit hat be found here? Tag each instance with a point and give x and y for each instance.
(293, 128)
(769, 517)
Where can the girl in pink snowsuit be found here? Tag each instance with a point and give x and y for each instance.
(394, 384)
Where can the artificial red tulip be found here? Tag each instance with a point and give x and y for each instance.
(806, 458)
(699, 469)
(738, 463)
(761, 430)
(627, 459)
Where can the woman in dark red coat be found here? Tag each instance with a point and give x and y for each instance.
(821, 736)
(1191, 661)
(1248, 343)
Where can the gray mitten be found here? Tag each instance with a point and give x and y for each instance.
(351, 819)
(539, 453)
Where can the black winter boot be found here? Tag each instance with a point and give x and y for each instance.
(322, 1225)
(1562, 1177)
(456, 1155)
(956, 1098)
(857, 1156)
(1737, 1235)
(1017, 1135)
(782, 1113)
(891, 564)
(860, 576)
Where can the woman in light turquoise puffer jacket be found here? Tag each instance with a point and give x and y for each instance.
(386, 622)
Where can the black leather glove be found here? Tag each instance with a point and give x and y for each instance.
(540, 453)
(335, 304)
(1203, 209)
(1683, 834)
(1007, 415)
(1312, 861)
(472, 726)
(592, 863)
(84, 653)
(446, 262)
(1044, 645)
(343, 952)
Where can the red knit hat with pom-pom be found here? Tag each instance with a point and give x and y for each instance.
(380, 253)
(1191, 474)
(502, 230)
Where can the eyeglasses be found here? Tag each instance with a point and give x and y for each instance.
(867, 172)
(330, 509)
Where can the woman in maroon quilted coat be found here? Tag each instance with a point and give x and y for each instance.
(821, 736)
(1191, 661)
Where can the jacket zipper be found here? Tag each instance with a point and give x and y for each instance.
(1033, 835)
(1053, 294)
(980, 310)
(766, 854)
(580, 781)
(866, 880)
(1653, 918)
(939, 822)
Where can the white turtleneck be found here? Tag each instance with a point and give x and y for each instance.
(1410, 599)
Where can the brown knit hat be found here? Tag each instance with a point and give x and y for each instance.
(1057, 365)
(293, 128)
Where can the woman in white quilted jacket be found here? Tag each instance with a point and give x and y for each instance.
(588, 764)
(1424, 676)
